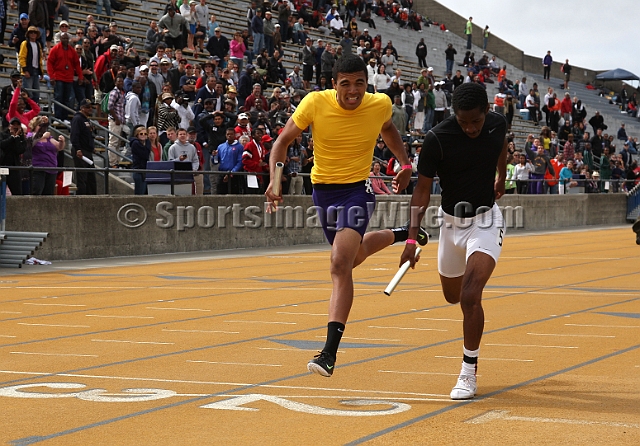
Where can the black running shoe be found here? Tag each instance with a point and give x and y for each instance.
(322, 364)
(636, 229)
(402, 234)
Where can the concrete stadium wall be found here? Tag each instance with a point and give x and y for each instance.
(94, 227)
(456, 23)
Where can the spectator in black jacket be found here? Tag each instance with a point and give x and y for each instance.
(19, 33)
(218, 45)
(421, 52)
(597, 122)
(5, 96)
(12, 145)
(83, 146)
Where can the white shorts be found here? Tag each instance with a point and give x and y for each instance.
(461, 237)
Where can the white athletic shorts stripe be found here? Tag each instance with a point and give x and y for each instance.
(461, 237)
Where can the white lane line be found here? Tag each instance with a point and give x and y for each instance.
(201, 331)
(407, 328)
(6, 336)
(53, 325)
(304, 314)
(418, 373)
(177, 309)
(260, 322)
(216, 383)
(369, 339)
(488, 359)
(11, 312)
(530, 345)
(52, 354)
(237, 363)
(132, 342)
(494, 415)
(603, 326)
(572, 335)
(54, 305)
(437, 319)
(120, 317)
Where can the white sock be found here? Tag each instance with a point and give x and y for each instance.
(467, 368)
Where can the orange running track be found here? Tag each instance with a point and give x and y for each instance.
(211, 348)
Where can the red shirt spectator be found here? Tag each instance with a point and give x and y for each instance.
(63, 62)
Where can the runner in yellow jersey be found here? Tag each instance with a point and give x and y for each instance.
(345, 123)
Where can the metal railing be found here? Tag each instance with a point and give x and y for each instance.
(615, 186)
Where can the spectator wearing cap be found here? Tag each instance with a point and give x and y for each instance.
(63, 27)
(243, 127)
(218, 45)
(12, 145)
(39, 17)
(31, 62)
(6, 94)
(188, 11)
(269, 29)
(108, 79)
(167, 116)
(188, 83)
(154, 37)
(207, 70)
(83, 145)
(337, 26)
(133, 109)
(106, 41)
(181, 105)
(63, 65)
(103, 62)
(148, 97)
(232, 98)
(253, 157)
(172, 25)
(19, 33)
(441, 103)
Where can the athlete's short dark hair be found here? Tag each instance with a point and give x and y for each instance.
(469, 96)
(349, 63)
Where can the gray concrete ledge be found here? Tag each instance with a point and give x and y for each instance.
(105, 227)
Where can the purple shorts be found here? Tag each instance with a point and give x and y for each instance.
(342, 206)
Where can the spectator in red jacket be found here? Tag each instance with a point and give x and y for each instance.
(566, 107)
(253, 158)
(63, 65)
(17, 107)
(103, 63)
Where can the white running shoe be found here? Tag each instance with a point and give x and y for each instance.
(465, 388)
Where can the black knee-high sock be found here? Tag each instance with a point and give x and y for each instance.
(334, 335)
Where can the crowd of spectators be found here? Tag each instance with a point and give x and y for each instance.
(223, 111)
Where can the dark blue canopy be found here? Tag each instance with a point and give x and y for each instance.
(617, 75)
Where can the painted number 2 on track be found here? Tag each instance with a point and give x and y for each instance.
(232, 402)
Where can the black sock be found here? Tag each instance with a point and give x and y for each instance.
(334, 335)
(400, 234)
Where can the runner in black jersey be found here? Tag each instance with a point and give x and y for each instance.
(464, 151)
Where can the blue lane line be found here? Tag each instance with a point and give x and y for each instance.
(37, 439)
(629, 315)
(489, 395)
